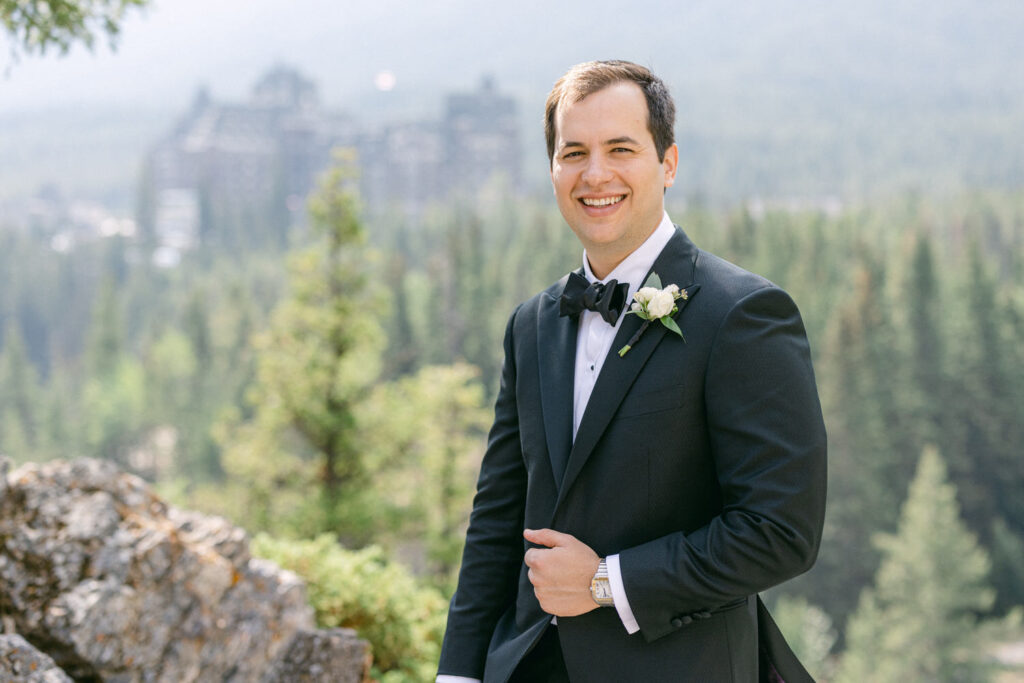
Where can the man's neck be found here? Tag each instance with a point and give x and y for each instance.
(603, 262)
(632, 267)
(601, 268)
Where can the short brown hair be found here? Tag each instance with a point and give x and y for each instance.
(590, 77)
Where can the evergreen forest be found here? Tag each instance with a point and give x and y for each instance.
(331, 392)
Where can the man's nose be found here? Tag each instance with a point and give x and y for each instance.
(597, 170)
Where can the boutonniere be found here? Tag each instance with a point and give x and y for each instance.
(654, 302)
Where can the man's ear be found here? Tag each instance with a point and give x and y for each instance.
(671, 163)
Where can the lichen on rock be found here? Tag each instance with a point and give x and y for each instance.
(113, 583)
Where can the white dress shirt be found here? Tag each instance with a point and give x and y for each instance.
(593, 344)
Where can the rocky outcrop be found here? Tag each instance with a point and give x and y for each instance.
(114, 584)
(19, 661)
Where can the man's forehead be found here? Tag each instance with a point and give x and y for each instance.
(612, 114)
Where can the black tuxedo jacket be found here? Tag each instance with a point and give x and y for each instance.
(700, 461)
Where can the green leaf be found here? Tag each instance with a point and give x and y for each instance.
(671, 325)
(653, 281)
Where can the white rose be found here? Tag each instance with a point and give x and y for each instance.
(661, 304)
(646, 294)
(674, 289)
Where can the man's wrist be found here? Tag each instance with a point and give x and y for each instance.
(600, 586)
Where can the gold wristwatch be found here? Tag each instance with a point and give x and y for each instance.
(601, 587)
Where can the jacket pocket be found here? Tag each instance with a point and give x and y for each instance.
(654, 401)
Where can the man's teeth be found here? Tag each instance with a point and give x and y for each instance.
(604, 201)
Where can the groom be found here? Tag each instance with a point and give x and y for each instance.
(633, 502)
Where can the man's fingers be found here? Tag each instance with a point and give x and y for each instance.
(534, 559)
(547, 537)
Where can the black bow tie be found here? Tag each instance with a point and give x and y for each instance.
(607, 299)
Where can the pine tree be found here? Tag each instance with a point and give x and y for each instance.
(403, 352)
(105, 343)
(19, 398)
(298, 458)
(988, 428)
(923, 300)
(111, 405)
(919, 622)
(858, 393)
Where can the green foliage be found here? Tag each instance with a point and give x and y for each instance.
(808, 630)
(425, 433)
(402, 620)
(315, 362)
(112, 404)
(106, 336)
(38, 25)
(20, 428)
(919, 622)
(463, 270)
(914, 310)
(112, 408)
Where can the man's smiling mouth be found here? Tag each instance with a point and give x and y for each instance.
(603, 201)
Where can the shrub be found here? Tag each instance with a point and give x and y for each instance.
(361, 589)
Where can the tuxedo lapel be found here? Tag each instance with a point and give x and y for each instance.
(556, 349)
(675, 265)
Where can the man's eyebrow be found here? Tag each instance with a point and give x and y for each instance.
(613, 141)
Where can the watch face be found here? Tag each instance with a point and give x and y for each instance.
(602, 590)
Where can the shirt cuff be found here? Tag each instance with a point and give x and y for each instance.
(619, 594)
(445, 678)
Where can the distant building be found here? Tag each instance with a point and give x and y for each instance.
(403, 166)
(245, 163)
(177, 218)
(481, 132)
(253, 164)
(414, 164)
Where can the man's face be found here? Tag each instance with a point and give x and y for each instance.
(606, 175)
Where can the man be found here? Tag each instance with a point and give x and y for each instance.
(633, 502)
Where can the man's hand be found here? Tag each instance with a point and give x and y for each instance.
(561, 572)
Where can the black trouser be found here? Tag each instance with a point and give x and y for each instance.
(544, 663)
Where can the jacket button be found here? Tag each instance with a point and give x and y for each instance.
(687, 620)
(703, 614)
(676, 622)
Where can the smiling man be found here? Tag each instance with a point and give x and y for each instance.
(609, 174)
(647, 474)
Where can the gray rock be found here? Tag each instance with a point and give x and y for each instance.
(329, 656)
(117, 585)
(19, 661)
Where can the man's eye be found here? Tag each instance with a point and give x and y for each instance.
(571, 155)
(622, 149)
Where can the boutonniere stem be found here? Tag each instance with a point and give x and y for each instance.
(654, 302)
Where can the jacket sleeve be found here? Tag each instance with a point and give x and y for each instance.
(767, 440)
(493, 553)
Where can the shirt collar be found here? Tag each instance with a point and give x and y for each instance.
(635, 266)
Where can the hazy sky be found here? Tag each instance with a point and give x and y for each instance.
(170, 48)
(850, 73)
(174, 45)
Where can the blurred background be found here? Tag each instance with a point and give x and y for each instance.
(262, 254)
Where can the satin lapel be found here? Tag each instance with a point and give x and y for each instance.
(675, 264)
(556, 350)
